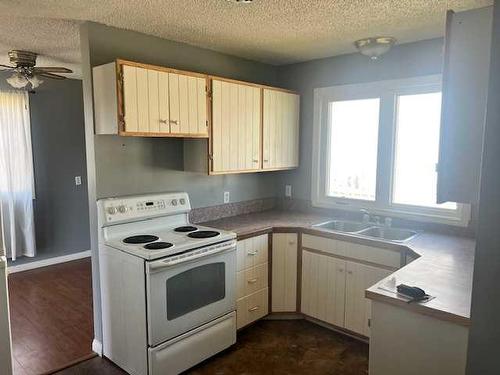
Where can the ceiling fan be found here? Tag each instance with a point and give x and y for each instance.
(26, 72)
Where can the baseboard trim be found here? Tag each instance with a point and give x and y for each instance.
(97, 347)
(48, 262)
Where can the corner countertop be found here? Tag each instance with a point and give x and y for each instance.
(443, 269)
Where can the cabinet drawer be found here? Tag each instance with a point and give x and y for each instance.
(252, 280)
(252, 308)
(252, 252)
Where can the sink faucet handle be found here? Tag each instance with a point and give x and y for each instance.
(366, 215)
(388, 222)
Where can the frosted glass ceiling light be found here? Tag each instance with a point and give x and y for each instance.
(17, 80)
(375, 46)
(35, 82)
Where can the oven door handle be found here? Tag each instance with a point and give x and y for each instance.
(169, 262)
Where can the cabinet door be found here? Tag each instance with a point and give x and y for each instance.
(235, 127)
(280, 129)
(284, 272)
(187, 101)
(144, 102)
(465, 86)
(358, 308)
(323, 288)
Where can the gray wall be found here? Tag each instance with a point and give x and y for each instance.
(58, 142)
(403, 61)
(126, 165)
(484, 337)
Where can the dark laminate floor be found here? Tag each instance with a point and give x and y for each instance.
(271, 347)
(51, 316)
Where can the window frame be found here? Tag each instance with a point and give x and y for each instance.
(388, 92)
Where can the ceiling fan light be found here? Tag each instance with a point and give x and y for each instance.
(35, 81)
(375, 47)
(17, 80)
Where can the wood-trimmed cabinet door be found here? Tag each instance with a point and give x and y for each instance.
(360, 277)
(280, 129)
(162, 103)
(236, 133)
(323, 287)
(284, 272)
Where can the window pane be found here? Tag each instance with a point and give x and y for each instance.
(353, 148)
(417, 147)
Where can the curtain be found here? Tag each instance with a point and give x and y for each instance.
(16, 174)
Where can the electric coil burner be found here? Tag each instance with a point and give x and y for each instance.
(158, 245)
(141, 238)
(186, 228)
(203, 234)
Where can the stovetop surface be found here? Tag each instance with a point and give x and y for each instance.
(181, 241)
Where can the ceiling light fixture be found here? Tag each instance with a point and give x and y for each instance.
(375, 46)
(25, 73)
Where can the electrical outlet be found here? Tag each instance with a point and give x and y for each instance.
(226, 197)
(288, 191)
(78, 180)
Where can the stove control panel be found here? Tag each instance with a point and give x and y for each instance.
(143, 206)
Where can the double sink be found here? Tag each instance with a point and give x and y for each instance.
(369, 230)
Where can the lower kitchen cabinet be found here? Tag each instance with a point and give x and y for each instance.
(284, 272)
(360, 277)
(323, 287)
(252, 279)
(333, 290)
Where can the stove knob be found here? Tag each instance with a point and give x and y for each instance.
(111, 210)
(174, 202)
(122, 209)
(183, 201)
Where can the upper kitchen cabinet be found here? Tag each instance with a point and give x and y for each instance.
(236, 130)
(254, 128)
(133, 99)
(280, 129)
(465, 85)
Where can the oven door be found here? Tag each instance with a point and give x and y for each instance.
(190, 291)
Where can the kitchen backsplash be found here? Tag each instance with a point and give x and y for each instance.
(200, 215)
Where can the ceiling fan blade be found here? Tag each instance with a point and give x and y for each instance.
(50, 75)
(52, 69)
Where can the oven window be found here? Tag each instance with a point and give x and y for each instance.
(195, 288)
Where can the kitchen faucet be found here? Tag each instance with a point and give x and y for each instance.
(369, 218)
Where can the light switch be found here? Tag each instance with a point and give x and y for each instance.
(226, 197)
(78, 180)
(288, 191)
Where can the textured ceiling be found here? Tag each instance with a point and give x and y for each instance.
(272, 31)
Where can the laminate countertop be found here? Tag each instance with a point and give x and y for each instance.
(443, 269)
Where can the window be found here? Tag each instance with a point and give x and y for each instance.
(377, 146)
(418, 120)
(353, 159)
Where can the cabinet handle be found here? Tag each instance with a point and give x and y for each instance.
(266, 160)
(163, 121)
(252, 281)
(349, 272)
(176, 122)
(255, 160)
(255, 308)
(291, 243)
(341, 270)
(252, 253)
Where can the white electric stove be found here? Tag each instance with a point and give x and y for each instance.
(167, 286)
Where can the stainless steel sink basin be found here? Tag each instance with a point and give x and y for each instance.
(391, 234)
(344, 226)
